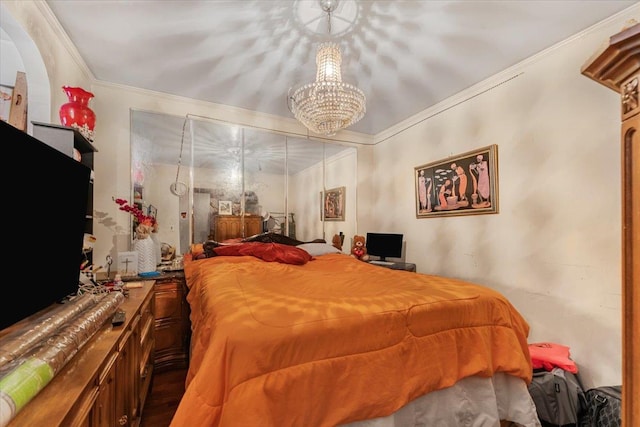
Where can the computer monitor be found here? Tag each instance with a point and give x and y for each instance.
(384, 245)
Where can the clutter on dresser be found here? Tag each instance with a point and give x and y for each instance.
(27, 365)
(143, 245)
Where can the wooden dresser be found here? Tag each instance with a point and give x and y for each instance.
(172, 327)
(230, 226)
(107, 382)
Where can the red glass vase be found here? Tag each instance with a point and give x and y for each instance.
(76, 113)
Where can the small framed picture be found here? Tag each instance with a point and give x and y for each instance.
(333, 204)
(225, 207)
(152, 211)
(127, 264)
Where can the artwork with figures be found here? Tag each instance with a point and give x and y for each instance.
(333, 204)
(459, 185)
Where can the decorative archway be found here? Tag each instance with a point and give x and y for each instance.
(39, 89)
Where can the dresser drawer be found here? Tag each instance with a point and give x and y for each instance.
(171, 345)
(168, 301)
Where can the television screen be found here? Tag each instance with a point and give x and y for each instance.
(384, 245)
(45, 198)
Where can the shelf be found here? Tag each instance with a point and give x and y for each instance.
(80, 143)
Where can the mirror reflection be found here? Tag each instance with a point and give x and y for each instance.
(208, 180)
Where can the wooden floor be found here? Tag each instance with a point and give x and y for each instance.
(166, 391)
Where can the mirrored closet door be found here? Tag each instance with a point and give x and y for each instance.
(210, 180)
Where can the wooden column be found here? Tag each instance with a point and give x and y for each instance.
(617, 66)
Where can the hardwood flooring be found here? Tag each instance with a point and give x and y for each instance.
(167, 389)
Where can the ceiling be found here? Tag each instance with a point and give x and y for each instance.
(405, 55)
(159, 139)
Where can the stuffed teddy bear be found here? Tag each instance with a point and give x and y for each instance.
(359, 249)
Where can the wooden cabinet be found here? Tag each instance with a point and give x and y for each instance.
(106, 383)
(172, 328)
(233, 226)
(617, 66)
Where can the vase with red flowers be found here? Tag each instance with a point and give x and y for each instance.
(143, 244)
(76, 113)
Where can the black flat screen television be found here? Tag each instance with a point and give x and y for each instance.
(384, 245)
(45, 198)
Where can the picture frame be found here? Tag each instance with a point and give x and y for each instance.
(333, 201)
(225, 207)
(127, 264)
(152, 211)
(464, 184)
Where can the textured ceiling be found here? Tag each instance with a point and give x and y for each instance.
(405, 55)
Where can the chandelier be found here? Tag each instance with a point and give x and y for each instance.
(328, 104)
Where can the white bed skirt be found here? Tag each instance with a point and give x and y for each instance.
(472, 402)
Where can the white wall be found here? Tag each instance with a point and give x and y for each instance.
(554, 248)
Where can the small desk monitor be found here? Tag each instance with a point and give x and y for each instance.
(384, 245)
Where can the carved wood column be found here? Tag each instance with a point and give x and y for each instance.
(617, 66)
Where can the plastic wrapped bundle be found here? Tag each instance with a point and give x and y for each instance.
(32, 373)
(16, 344)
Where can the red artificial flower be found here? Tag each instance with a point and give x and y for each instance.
(137, 213)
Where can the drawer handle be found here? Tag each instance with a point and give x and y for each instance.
(123, 420)
(145, 372)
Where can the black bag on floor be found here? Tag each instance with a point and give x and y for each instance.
(558, 396)
(604, 406)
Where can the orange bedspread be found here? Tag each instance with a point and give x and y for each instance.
(335, 340)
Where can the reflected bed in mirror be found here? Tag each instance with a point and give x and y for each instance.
(258, 171)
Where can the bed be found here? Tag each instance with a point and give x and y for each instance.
(288, 335)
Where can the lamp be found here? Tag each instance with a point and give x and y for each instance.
(328, 105)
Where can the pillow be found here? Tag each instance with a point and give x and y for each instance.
(270, 252)
(317, 249)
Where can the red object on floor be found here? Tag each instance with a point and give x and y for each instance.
(548, 355)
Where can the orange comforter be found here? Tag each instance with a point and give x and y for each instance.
(335, 340)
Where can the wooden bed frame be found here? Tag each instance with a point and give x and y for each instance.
(617, 66)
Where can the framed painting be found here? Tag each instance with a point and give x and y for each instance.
(152, 211)
(127, 264)
(225, 207)
(333, 204)
(465, 184)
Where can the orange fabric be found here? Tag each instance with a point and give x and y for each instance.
(548, 355)
(335, 340)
